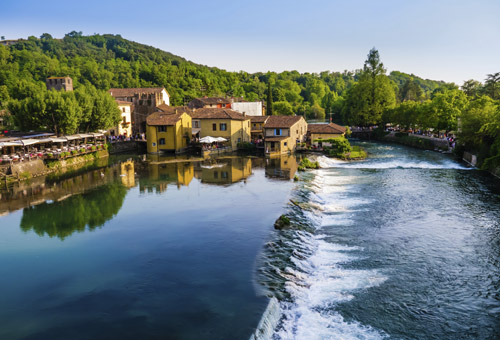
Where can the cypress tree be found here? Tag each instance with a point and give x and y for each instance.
(269, 99)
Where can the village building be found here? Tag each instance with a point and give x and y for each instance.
(210, 102)
(124, 127)
(168, 131)
(144, 100)
(257, 127)
(59, 83)
(318, 132)
(220, 122)
(248, 108)
(282, 133)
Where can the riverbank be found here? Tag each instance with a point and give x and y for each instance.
(37, 167)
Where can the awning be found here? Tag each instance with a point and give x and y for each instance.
(27, 142)
(73, 137)
(196, 131)
(58, 140)
(85, 135)
(15, 143)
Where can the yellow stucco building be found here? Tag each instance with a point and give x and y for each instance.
(168, 132)
(221, 122)
(317, 132)
(282, 133)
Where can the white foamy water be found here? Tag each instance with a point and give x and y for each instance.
(317, 279)
(393, 163)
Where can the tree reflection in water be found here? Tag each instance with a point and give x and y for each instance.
(61, 219)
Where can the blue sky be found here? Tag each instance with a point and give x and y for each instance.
(451, 40)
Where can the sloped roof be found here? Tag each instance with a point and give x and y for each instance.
(282, 121)
(161, 118)
(172, 109)
(211, 100)
(115, 92)
(258, 119)
(217, 113)
(326, 128)
(122, 102)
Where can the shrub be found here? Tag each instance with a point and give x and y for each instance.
(245, 146)
(305, 163)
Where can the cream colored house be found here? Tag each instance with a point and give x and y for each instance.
(125, 125)
(318, 132)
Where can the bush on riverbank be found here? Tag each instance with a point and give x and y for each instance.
(341, 148)
(305, 163)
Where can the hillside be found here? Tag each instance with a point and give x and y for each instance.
(110, 61)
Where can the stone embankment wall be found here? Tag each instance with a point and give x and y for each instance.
(470, 158)
(29, 169)
(122, 147)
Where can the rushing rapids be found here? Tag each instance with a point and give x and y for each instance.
(404, 245)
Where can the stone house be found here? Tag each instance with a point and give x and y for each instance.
(59, 83)
(144, 100)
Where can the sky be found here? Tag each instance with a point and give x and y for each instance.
(450, 40)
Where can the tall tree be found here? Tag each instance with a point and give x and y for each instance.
(492, 85)
(269, 99)
(471, 87)
(371, 95)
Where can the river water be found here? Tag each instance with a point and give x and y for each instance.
(404, 245)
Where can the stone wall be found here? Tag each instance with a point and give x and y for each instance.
(121, 147)
(28, 169)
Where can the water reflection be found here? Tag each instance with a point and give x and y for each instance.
(283, 166)
(42, 189)
(159, 176)
(60, 205)
(224, 171)
(63, 218)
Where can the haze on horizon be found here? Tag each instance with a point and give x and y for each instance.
(441, 40)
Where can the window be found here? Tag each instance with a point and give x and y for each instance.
(161, 141)
(123, 109)
(214, 127)
(277, 132)
(224, 175)
(162, 128)
(285, 143)
(223, 126)
(216, 174)
(254, 124)
(124, 120)
(239, 140)
(196, 124)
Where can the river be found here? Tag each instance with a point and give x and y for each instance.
(404, 245)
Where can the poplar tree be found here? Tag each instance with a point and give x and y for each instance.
(269, 99)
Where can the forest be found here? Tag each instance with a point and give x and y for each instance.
(364, 97)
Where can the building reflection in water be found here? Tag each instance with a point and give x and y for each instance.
(224, 171)
(164, 174)
(282, 166)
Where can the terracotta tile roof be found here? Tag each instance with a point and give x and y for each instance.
(208, 101)
(133, 91)
(217, 113)
(161, 118)
(275, 139)
(122, 102)
(282, 121)
(326, 128)
(172, 109)
(258, 119)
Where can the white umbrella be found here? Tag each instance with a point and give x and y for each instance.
(220, 139)
(208, 140)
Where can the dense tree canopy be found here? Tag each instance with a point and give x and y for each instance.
(99, 62)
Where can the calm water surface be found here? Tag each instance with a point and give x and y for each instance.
(138, 251)
(404, 245)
